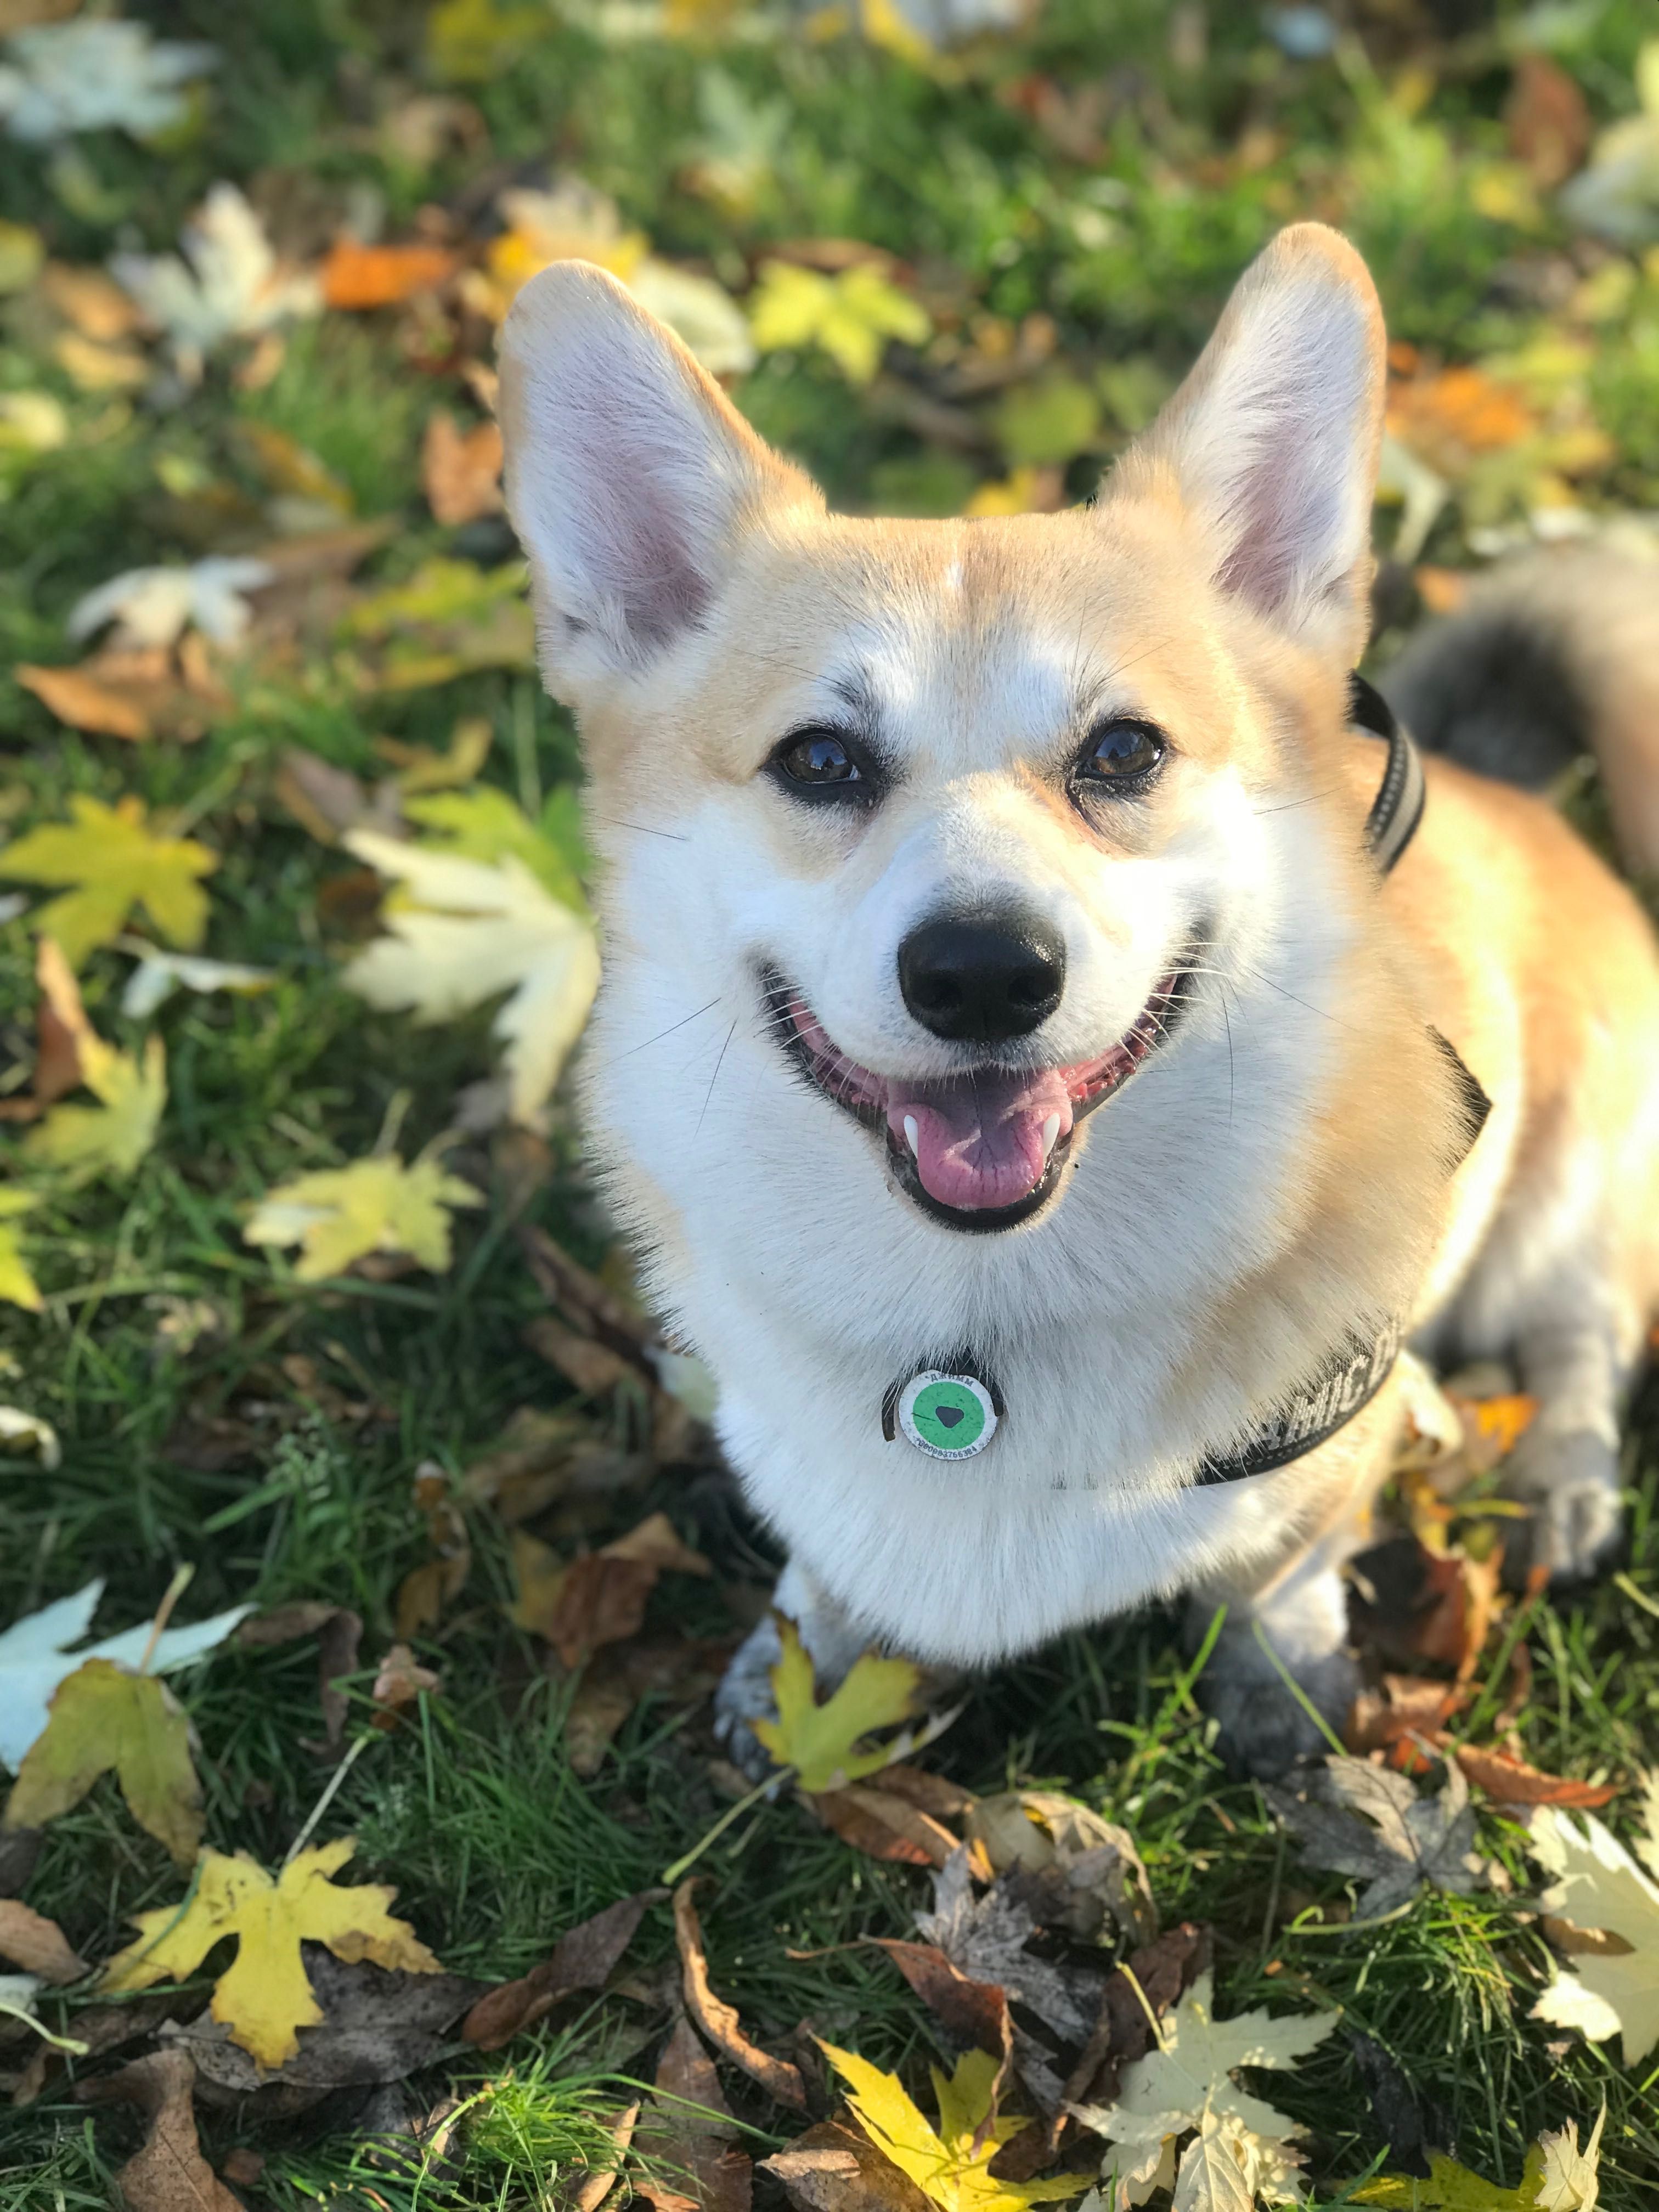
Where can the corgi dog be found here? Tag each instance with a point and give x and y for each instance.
(1027, 1091)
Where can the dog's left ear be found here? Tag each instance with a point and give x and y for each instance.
(1272, 439)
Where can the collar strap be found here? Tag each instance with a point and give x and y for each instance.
(1327, 1401)
(1398, 806)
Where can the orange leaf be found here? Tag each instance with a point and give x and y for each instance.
(83, 702)
(357, 275)
(1512, 1781)
(461, 470)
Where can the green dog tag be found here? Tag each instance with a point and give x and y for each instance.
(946, 1416)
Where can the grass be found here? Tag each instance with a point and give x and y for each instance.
(159, 1319)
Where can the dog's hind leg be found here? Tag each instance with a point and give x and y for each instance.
(833, 1642)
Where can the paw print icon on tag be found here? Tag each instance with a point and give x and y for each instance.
(946, 1416)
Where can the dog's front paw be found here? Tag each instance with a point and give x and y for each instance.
(1263, 1729)
(1568, 1479)
(744, 1696)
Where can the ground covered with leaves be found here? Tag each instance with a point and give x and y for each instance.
(364, 1563)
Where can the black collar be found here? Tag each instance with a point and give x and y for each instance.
(1398, 806)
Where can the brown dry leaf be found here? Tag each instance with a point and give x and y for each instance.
(654, 1543)
(880, 1822)
(833, 2168)
(591, 1366)
(600, 1598)
(718, 2021)
(91, 300)
(584, 1958)
(1401, 1705)
(1414, 1604)
(690, 2134)
(83, 703)
(424, 1592)
(614, 1682)
(169, 2175)
(1511, 1781)
(326, 801)
(363, 277)
(38, 1945)
(135, 693)
(461, 470)
(1548, 119)
(339, 1632)
(972, 2013)
(596, 2185)
(398, 1685)
(57, 1069)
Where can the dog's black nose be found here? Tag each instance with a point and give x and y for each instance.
(984, 978)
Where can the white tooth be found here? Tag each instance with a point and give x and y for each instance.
(912, 1135)
(1050, 1131)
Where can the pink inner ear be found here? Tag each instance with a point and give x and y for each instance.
(1284, 512)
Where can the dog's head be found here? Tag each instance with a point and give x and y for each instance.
(958, 817)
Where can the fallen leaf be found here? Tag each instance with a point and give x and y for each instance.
(112, 1137)
(1138, 1992)
(461, 470)
(326, 801)
(377, 1205)
(1401, 1707)
(159, 975)
(717, 2020)
(584, 1957)
(1509, 1781)
(17, 1286)
(1415, 1604)
(883, 1825)
(689, 2134)
(831, 2168)
(104, 1719)
(593, 1367)
(972, 2013)
(83, 703)
(91, 300)
(263, 1997)
(1090, 1865)
(363, 276)
(35, 1658)
(96, 74)
(851, 315)
(461, 932)
(38, 1945)
(1598, 1887)
(948, 2164)
(418, 768)
(1452, 2188)
(153, 607)
(580, 1605)
(986, 1937)
(1239, 2143)
(115, 862)
(148, 692)
(378, 2024)
(1617, 196)
(1572, 2177)
(820, 1741)
(169, 2175)
(1402, 1840)
(228, 282)
(615, 1679)
(401, 1681)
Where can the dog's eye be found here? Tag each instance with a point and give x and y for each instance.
(822, 764)
(1126, 755)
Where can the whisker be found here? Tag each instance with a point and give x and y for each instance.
(669, 1031)
(714, 1078)
(644, 829)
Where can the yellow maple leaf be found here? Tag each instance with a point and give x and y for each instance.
(1608, 1991)
(263, 1996)
(850, 316)
(337, 1215)
(948, 2163)
(105, 1718)
(818, 1741)
(1454, 2188)
(113, 1136)
(17, 1286)
(114, 861)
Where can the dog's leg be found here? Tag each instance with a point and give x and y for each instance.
(1294, 1599)
(833, 1642)
(1565, 1467)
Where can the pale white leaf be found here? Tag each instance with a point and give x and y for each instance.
(153, 606)
(1600, 1886)
(159, 975)
(27, 1434)
(96, 74)
(227, 283)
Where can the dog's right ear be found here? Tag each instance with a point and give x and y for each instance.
(630, 476)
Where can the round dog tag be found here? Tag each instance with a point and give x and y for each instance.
(946, 1416)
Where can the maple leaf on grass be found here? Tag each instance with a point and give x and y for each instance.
(1613, 1988)
(820, 1741)
(1404, 1839)
(1241, 2146)
(950, 2163)
(229, 283)
(114, 861)
(169, 2171)
(112, 1137)
(263, 1996)
(103, 1719)
(35, 1658)
(851, 315)
(463, 930)
(337, 1215)
(1558, 2176)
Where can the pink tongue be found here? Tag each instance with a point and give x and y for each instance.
(979, 1140)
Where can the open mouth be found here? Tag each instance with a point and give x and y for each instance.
(984, 1149)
